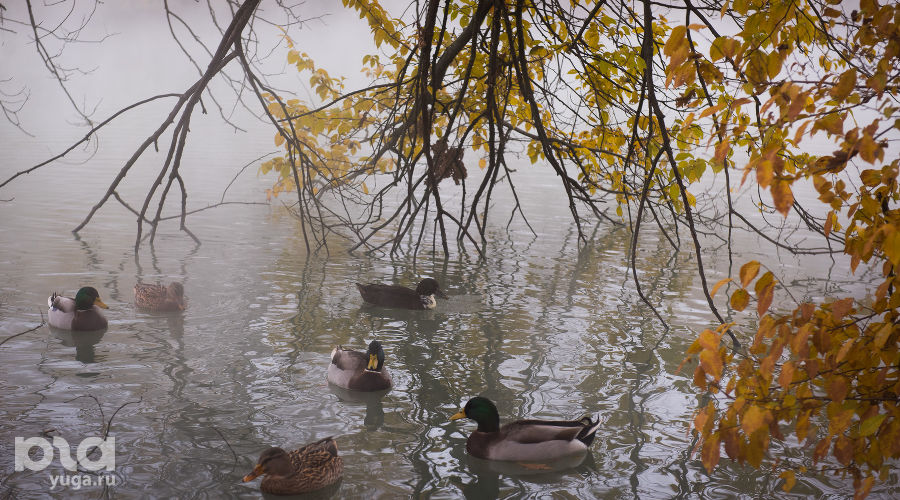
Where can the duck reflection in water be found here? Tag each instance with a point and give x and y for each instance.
(374, 418)
(83, 342)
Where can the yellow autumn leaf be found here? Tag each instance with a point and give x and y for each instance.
(870, 425)
(748, 272)
(753, 419)
(789, 480)
(739, 299)
(845, 84)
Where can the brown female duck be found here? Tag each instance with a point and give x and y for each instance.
(309, 468)
(158, 297)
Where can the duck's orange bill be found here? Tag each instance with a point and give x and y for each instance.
(99, 303)
(373, 362)
(257, 471)
(459, 415)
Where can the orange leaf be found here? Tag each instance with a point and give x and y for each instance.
(787, 374)
(840, 308)
(862, 491)
(837, 389)
(710, 452)
(764, 173)
(845, 348)
(829, 222)
(709, 340)
(802, 428)
(748, 272)
(782, 196)
(753, 419)
(721, 153)
(719, 285)
(711, 363)
(765, 298)
(732, 444)
(843, 450)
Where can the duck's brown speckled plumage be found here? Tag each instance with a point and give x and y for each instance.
(156, 297)
(309, 468)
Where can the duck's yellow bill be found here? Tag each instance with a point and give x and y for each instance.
(373, 362)
(459, 415)
(253, 475)
(99, 303)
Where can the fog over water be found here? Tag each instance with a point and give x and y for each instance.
(544, 327)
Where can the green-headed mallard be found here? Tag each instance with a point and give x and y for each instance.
(81, 313)
(359, 371)
(401, 297)
(309, 468)
(524, 440)
(158, 297)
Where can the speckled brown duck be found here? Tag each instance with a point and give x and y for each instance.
(309, 468)
(157, 297)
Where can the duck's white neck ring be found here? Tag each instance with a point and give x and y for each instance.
(428, 301)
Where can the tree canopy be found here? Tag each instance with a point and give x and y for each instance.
(631, 104)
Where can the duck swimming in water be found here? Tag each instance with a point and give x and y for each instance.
(158, 297)
(359, 371)
(81, 313)
(401, 297)
(309, 468)
(524, 440)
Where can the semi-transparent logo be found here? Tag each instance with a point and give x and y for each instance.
(85, 456)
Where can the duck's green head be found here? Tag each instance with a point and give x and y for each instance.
(483, 411)
(376, 356)
(88, 297)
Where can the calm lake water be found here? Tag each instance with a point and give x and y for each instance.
(544, 327)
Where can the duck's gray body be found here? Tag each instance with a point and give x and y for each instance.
(62, 314)
(349, 370)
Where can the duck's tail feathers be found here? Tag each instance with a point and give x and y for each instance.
(51, 300)
(587, 434)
